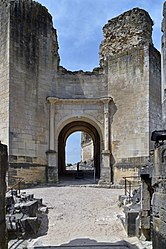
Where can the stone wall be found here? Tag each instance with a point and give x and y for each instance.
(87, 152)
(155, 91)
(128, 57)
(4, 72)
(87, 147)
(81, 84)
(133, 69)
(130, 29)
(163, 49)
(3, 170)
(159, 198)
(159, 164)
(34, 61)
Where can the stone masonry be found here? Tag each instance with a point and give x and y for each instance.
(133, 67)
(159, 168)
(4, 69)
(159, 198)
(164, 65)
(3, 170)
(86, 147)
(117, 104)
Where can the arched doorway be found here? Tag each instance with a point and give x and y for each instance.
(66, 132)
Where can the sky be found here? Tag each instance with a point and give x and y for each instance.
(79, 26)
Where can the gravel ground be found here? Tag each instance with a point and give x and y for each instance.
(82, 215)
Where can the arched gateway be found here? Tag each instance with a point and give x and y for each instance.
(88, 115)
(66, 132)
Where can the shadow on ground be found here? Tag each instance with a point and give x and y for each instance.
(72, 181)
(91, 244)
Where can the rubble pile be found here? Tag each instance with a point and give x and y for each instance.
(24, 214)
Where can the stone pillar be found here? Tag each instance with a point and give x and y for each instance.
(3, 169)
(105, 177)
(52, 169)
(52, 127)
(106, 102)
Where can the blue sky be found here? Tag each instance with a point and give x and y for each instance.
(79, 26)
(73, 148)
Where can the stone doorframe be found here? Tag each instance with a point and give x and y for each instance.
(95, 112)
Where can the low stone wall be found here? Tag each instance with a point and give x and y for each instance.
(31, 174)
(3, 169)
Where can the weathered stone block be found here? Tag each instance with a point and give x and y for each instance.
(52, 174)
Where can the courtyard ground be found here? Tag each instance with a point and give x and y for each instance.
(81, 216)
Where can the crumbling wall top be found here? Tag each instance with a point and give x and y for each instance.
(130, 29)
(33, 34)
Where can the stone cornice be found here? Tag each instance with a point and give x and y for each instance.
(55, 100)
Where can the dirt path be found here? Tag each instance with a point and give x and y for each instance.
(80, 215)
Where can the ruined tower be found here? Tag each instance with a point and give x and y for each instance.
(133, 69)
(117, 104)
(29, 61)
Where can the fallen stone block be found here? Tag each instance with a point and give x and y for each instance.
(30, 225)
(30, 208)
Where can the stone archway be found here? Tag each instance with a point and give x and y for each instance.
(66, 132)
(90, 115)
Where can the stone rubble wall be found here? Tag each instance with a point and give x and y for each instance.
(3, 170)
(130, 29)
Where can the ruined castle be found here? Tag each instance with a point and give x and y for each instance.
(118, 104)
